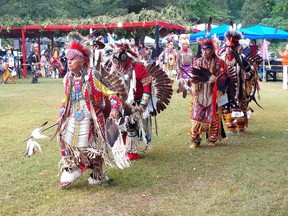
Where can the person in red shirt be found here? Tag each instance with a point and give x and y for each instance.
(138, 85)
(254, 47)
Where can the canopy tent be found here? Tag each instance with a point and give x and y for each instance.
(265, 32)
(252, 32)
(59, 30)
(218, 31)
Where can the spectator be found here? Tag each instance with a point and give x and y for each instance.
(264, 49)
(34, 61)
(155, 54)
(44, 63)
(254, 47)
(141, 51)
(133, 46)
(284, 55)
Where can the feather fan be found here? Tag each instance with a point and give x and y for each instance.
(200, 75)
(162, 88)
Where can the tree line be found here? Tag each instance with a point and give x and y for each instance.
(183, 12)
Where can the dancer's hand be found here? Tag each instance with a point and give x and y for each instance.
(141, 108)
(114, 113)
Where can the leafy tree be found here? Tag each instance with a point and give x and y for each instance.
(253, 11)
(278, 16)
(235, 9)
(184, 12)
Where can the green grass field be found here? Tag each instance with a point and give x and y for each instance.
(243, 175)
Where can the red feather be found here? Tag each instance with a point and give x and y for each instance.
(78, 46)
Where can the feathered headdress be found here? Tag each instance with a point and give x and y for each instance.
(233, 36)
(123, 51)
(78, 47)
(8, 47)
(184, 39)
(207, 43)
(208, 27)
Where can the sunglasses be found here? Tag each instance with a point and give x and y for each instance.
(205, 47)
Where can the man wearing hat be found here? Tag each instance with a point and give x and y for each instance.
(10, 63)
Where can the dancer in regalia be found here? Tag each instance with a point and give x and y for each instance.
(10, 63)
(209, 87)
(244, 76)
(82, 133)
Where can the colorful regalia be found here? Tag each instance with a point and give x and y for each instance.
(138, 85)
(10, 62)
(244, 73)
(56, 65)
(184, 63)
(209, 87)
(169, 60)
(82, 133)
(143, 102)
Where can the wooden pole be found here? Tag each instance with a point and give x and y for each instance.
(24, 54)
(285, 76)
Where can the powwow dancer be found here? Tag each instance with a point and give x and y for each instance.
(139, 81)
(10, 63)
(244, 74)
(138, 84)
(169, 60)
(184, 63)
(209, 88)
(56, 65)
(84, 138)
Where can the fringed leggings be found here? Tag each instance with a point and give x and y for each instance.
(197, 128)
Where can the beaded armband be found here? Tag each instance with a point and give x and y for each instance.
(62, 111)
(146, 80)
(65, 153)
(115, 102)
(145, 99)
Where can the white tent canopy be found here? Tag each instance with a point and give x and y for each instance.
(201, 26)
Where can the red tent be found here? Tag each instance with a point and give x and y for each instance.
(53, 30)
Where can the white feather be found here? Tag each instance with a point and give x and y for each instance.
(37, 134)
(119, 154)
(151, 106)
(132, 89)
(32, 147)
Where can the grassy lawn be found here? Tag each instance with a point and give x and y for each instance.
(243, 175)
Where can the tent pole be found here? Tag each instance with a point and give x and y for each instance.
(52, 45)
(157, 32)
(93, 53)
(24, 53)
(263, 58)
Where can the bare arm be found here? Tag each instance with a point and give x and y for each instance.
(280, 51)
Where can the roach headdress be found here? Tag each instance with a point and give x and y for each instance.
(78, 47)
(233, 36)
